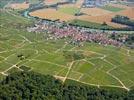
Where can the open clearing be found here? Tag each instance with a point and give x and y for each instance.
(101, 66)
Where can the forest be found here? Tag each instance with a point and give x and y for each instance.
(34, 86)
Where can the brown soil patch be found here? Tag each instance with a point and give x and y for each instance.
(19, 5)
(128, 12)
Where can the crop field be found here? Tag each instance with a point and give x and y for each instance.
(69, 10)
(52, 14)
(95, 15)
(19, 6)
(90, 24)
(91, 64)
(128, 12)
(91, 15)
(112, 8)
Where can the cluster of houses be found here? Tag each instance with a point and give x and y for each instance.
(77, 35)
(98, 3)
(94, 3)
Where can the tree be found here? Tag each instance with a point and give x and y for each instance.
(30, 85)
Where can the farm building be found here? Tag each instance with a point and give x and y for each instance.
(94, 3)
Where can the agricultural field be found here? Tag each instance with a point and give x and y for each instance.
(19, 6)
(112, 8)
(69, 10)
(91, 64)
(52, 14)
(95, 15)
(90, 24)
(5, 2)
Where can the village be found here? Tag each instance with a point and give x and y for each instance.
(57, 30)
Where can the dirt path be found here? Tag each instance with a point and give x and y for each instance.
(70, 66)
(61, 48)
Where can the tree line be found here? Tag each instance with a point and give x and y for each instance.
(35, 86)
(123, 20)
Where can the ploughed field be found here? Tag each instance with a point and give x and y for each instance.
(91, 64)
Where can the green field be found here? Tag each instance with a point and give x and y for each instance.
(111, 8)
(69, 10)
(90, 24)
(92, 64)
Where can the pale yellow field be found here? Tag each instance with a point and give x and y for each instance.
(95, 11)
(19, 5)
(99, 15)
(100, 19)
(52, 14)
